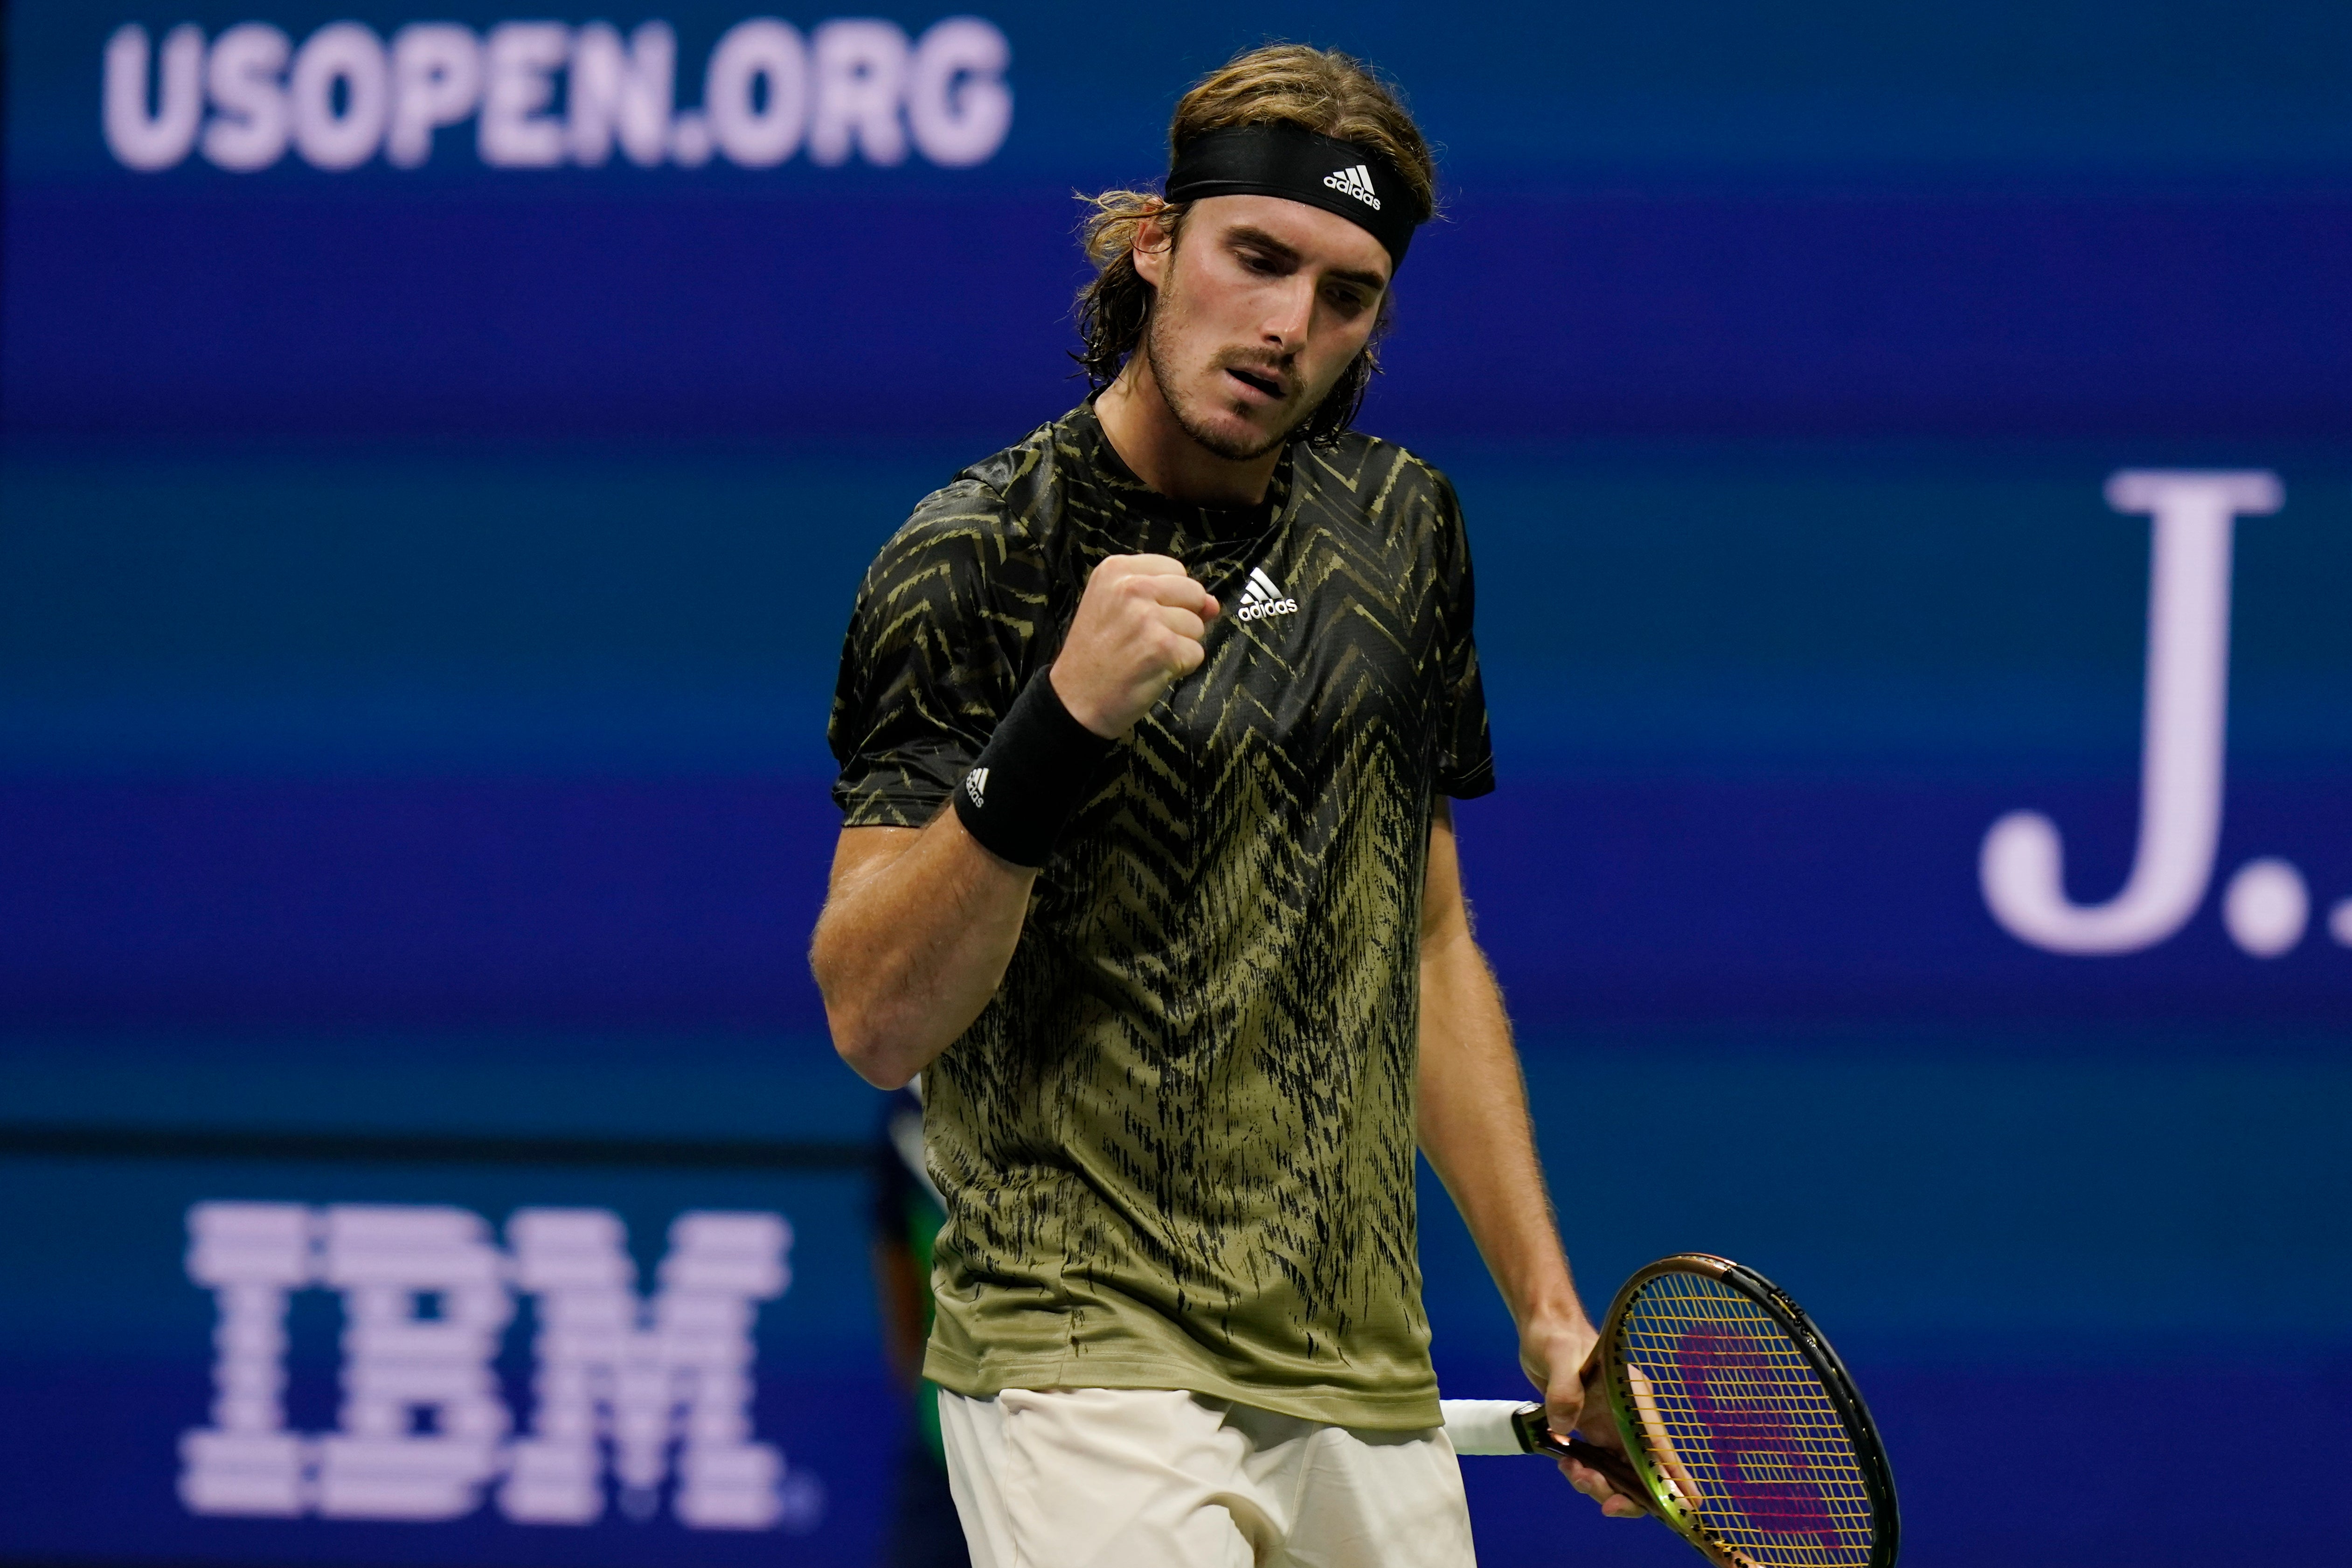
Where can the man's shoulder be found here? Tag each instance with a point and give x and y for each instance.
(1367, 473)
(1003, 504)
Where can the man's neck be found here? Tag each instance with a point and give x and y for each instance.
(1143, 431)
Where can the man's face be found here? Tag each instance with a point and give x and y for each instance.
(1260, 307)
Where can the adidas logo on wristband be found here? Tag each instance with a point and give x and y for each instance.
(1048, 760)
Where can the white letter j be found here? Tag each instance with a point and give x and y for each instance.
(2021, 865)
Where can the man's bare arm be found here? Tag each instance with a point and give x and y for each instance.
(1476, 1130)
(919, 926)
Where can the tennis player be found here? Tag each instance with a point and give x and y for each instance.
(1146, 726)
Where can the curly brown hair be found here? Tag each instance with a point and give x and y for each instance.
(1323, 91)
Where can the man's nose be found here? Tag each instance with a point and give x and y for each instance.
(1287, 322)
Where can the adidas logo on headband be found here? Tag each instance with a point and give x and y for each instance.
(1356, 182)
(1279, 159)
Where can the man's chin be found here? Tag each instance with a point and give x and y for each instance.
(1236, 437)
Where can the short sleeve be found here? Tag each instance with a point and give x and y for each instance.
(1465, 753)
(932, 658)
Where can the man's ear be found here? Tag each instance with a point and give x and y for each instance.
(1153, 245)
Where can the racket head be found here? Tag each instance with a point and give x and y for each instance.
(1741, 1423)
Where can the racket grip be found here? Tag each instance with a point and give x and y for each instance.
(1612, 1465)
(1536, 1433)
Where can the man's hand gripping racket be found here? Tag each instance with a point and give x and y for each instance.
(1733, 1422)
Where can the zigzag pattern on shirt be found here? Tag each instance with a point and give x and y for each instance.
(1192, 1098)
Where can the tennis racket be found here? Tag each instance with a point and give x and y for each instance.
(1741, 1429)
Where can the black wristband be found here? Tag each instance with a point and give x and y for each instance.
(1029, 778)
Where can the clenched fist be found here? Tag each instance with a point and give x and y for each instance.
(1138, 632)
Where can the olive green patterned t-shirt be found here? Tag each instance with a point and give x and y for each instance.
(1177, 1146)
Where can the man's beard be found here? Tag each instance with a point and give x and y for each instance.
(1224, 446)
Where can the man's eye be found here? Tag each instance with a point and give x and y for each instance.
(1259, 263)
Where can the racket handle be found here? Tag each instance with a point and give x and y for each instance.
(1536, 1433)
(1612, 1465)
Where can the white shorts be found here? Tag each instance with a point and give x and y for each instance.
(1123, 1477)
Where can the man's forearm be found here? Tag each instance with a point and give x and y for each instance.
(920, 924)
(918, 929)
(1473, 1127)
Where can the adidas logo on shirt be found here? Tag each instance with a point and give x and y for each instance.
(1355, 182)
(1261, 598)
(975, 785)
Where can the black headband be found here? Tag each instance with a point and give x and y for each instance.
(1280, 159)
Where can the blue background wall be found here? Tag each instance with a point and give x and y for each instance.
(419, 590)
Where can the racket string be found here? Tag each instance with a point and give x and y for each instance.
(1734, 1413)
